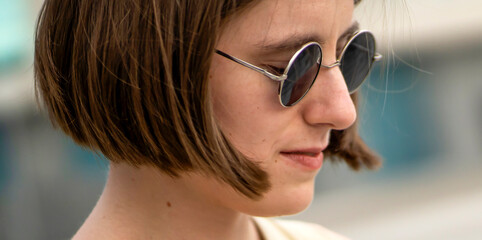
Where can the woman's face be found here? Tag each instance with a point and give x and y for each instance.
(286, 142)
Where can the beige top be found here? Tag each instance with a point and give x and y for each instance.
(274, 229)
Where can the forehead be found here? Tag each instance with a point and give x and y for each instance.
(272, 21)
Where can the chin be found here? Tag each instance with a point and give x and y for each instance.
(279, 203)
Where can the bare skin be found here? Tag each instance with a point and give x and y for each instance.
(144, 204)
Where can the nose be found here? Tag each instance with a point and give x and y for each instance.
(328, 102)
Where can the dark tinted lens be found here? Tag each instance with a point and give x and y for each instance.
(301, 75)
(357, 60)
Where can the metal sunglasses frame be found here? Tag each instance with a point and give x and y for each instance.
(281, 78)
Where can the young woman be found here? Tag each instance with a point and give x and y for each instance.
(211, 112)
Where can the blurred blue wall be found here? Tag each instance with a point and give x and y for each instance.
(397, 117)
(15, 33)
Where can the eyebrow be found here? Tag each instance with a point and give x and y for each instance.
(296, 41)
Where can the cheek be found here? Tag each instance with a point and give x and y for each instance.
(248, 111)
(245, 106)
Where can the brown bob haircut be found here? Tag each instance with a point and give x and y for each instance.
(128, 79)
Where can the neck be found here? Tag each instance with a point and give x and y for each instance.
(141, 203)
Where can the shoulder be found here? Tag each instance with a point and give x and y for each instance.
(298, 230)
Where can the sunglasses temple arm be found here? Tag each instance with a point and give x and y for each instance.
(254, 67)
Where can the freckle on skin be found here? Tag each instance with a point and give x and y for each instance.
(168, 204)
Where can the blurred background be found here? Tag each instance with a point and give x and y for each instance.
(421, 111)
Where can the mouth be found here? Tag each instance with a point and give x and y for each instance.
(306, 159)
(310, 154)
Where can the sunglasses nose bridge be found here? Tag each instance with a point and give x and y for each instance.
(335, 64)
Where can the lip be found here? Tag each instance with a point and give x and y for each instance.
(310, 159)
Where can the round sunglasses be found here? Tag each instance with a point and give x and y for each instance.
(355, 62)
